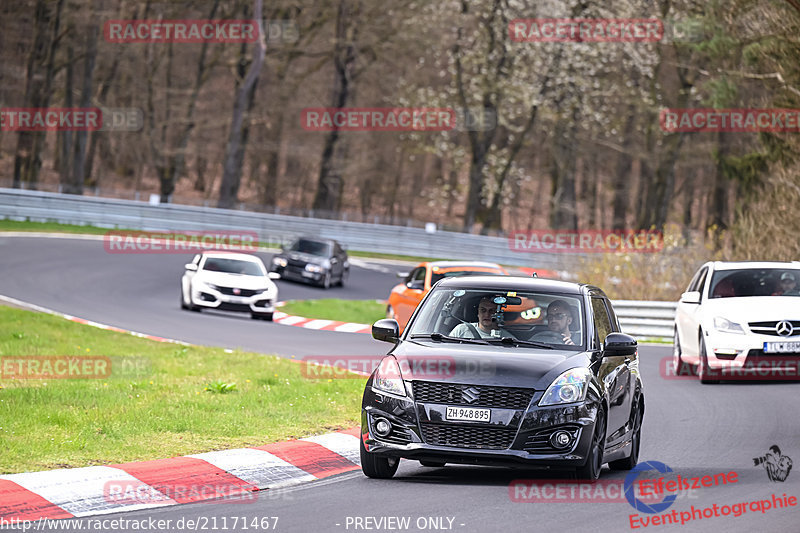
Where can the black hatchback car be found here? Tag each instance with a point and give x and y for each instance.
(505, 371)
(313, 260)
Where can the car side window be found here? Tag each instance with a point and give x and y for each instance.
(612, 316)
(602, 323)
(701, 283)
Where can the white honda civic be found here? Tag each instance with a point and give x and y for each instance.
(740, 320)
(230, 282)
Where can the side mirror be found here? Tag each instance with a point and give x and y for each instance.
(691, 297)
(386, 330)
(619, 344)
(274, 275)
(416, 285)
(190, 266)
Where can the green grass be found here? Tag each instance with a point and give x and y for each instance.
(161, 399)
(360, 311)
(50, 227)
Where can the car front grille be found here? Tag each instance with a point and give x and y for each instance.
(539, 442)
(769, 327)
(464, 436)
(242, 292)
(398, 435)
(298, 265)
(483, 396)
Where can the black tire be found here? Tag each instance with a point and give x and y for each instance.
(703, 370)
(183, 304)
(325, 283)
(390, 312)
(375, 466)
(681, 367)
(633, 459)
(432, 464)
(590, 471)
(343, 278)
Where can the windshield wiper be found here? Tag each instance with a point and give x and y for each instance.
(438, 337)
(516, 342)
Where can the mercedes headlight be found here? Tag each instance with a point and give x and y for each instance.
(569, 387)
(726, 326)
(388, 378)
(314, 268)
(279, 261)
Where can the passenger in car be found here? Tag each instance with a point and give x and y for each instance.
(788, 286)
(486, 324)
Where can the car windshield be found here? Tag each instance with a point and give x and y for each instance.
(755, 282)
(233, 266)
(545, 318)
(304, 246)
(451, 274)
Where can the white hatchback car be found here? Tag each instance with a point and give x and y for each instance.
(740, 320)
(230, 282)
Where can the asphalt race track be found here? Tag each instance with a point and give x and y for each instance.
(695, 429)
(141, 292)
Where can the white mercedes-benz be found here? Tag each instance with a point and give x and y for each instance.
(230, 282)
(740, 320)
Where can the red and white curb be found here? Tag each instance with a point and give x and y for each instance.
(317, 323)
(94, 490)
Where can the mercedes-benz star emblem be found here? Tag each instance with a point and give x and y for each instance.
(784, 328)
(470, 395)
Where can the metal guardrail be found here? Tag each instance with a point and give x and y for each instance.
(360, 236)
(637, 318)
(646, 319)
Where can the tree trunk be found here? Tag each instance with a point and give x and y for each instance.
(237, 139)
(38, 83)
(331, 181)
(564, 212)
(79, 159)
(622, 174)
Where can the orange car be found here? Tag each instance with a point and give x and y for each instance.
(405, 297)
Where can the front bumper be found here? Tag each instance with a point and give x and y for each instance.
(209, 298)
(298, 274)
(513, 438)
(742, 355)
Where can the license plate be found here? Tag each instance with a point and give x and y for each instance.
(468, 413)
(782, 347)
(308, 274)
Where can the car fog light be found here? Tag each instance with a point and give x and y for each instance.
(560, 439)
(382, 427)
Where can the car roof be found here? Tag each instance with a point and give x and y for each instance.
(315, 239)
(231, 255)
(457, 264)
(735, 265)
(512, 283)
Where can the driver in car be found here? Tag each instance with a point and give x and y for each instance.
(486, 325)
(559, 319)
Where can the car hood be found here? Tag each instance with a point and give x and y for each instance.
(484, 365)
(235, 280)
(753, 308)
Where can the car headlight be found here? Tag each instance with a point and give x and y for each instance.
(569, 387)
(314, 268)
(723, 324)
(279, 261)
(388, 378)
